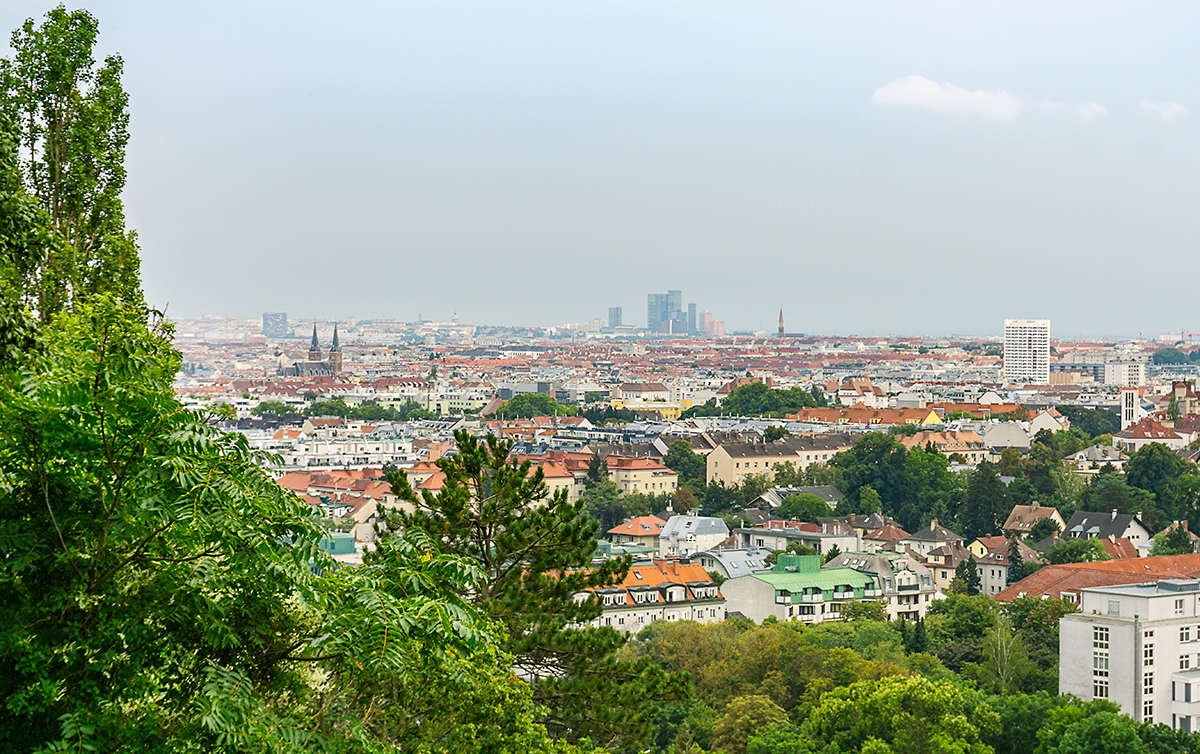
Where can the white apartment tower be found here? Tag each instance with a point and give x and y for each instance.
(1027, 351)
(1137, 645)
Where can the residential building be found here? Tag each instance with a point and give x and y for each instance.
(930, 538)
(774, 496)
(1027, 351)
(732, 463)
(685, 535)
(905, 585)
(1090, 460)
(1066, 581)
(1086, 524)
(735, 562)
(991, 556)
(614, 317)
(275, 324)
(797, 588)
(966, 444)
(1145, 431)
(821, 538)
(1138, 646)
(1125, 374)
(666, 589)
(943, 560)
(1022, 517)
(641, 475)
(643, 530)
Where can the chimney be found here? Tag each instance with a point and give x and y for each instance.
(1036, 504)
(1114, 515)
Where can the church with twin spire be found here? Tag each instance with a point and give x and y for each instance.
(315, 364)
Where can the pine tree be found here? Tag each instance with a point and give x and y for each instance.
(597, 471)
(920, 639)
(535, 551)
(968, 575)
(1016, 566)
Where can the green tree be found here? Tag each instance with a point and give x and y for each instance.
(150, 564)
(684, 461)
(744, 717)
(875, 610)
(1016, 564)
(1174, 542)
(1095, 728)
(804, 507)
(1010, 461)
(986, 503)
(535, 552)
(70, 119)
(773, 433)
(902, 715)
(1170, 356)
(1092, 421)
(1007, 662)
(967, 574)
(597, 471)
(876, 460)
(1042, 528)
(528, 405)
(271, 407)
(1076, 550)
(1153, 468)
(869, 500)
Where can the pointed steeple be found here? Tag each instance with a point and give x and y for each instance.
(314, 351)
(781, 320)
(335, 348)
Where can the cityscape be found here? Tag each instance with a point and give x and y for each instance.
(903, 456)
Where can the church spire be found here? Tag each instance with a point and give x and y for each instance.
(781, 320)
(314, 351)
(336, 347)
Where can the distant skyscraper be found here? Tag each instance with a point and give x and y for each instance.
(692, 318)
(1027, 351)
(275, 325)
(665, 307)
(614, 317)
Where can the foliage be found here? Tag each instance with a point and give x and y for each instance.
(367, 411)
(684, 461)
(745, 716)
(1174, 542)
(875, 610)
(69, 118)
(773, 433)
(602, 415)
(804, 507)
(1042, 528)
(534, 551)
(1071, 550)
(966, 573)
(1170, 356)
(986, 503)
(528, 405)
(756, 399)
(900, 714)
(1016, 564)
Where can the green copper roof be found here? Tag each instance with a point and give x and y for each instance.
(825, 580)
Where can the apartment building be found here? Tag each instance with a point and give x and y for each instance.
(731, 463)
(1136, 645)
(1027, 351)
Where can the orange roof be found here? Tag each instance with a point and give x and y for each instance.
(1069, 578)
(642, 526)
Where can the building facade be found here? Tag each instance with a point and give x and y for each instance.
(1138, 646)
(1027, 351)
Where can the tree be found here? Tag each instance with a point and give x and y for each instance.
(1174, 542)
(1093, 728)
(70, 120)
(1081, 550)
(597, 471)
(527, 405)
(1153, 468)
(854, 610)
(831, 553)
(773, 433)
(1010, 460)
(151, 564)
(535, 554)
(744, 717)
(685, 500)
(868, 501)
(902, 714)
(804, 507)
(1170, 356)
(1007, 659)
(876, 460)
(1093, 422)
(684, 461)
(1016, 564)
(1042, 528)
(967, 573)
(985, 503)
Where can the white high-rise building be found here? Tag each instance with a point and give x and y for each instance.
(1027, 351)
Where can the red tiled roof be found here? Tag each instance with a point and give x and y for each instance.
(1055, 580)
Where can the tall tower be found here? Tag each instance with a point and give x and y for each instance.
(781, 321)
(335, 353)
(314, 350)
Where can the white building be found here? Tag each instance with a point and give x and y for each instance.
(1125, 374)
(1137, 645)
(685, 535)
(1027, 351)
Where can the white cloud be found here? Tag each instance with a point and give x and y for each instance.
(918, 91)
(1168, 111)
(1086, 110)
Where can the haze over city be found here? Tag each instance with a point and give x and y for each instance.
(873, 169)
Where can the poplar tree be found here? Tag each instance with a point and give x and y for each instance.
(534, 550)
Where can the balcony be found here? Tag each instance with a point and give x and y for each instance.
(869, 593)
(812, 598)
(843, 595)
(908, 588)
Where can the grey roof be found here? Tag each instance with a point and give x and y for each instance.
(740, 562)
(1086, 524)
(775, 496)
(680, 526)
(1098, 453)
(790, 446)
(935, 532)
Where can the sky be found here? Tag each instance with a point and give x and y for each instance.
(873, 168)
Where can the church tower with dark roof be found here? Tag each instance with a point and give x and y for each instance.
(314, 350)
(335, 353)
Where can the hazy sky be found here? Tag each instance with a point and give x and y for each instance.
(873, 168)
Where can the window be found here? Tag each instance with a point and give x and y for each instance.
(1114, 607)
(1148, 684)
(1099, 662)
(1185, 662)
(1148, 712)
(1185, 633)
(1179, 607)
(1148, 655)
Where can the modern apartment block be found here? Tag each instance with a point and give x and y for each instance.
(1137, 645)
(275, 324)
(664, 312)
(1027, 351)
